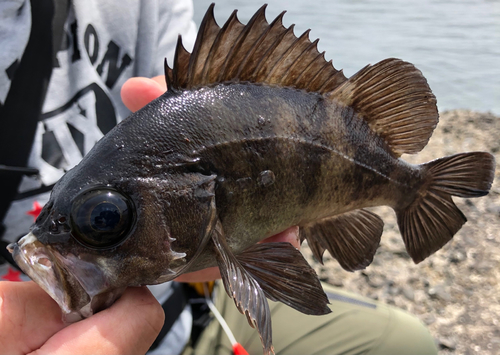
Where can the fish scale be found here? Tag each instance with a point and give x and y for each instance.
(256, 133)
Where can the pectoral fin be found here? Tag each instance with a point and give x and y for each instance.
(285, 276)
(352, 238)
(244, 289)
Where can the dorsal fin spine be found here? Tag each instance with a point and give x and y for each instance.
(270, 53)
(257, 21)
(222, 69)
(212, 54)
(179, 72)
(207, 29)
(246, 65)
(329, 81)
(299, 58)
(257, 52)
(168, 73)
(226, 72)
(223, 41)
(319, 73)
(261, 62)
(279, 63)
(302, 73)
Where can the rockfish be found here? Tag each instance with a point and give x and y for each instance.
(256, 133)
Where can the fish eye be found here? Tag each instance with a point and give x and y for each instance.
(101, 217)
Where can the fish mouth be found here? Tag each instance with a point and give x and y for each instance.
(68, 280)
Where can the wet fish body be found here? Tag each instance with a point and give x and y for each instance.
(313, 166)
(256, 133)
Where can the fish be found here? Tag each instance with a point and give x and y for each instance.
(257, 132)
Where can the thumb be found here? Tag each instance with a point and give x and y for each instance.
(291, 235)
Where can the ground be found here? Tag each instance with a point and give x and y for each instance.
(456, 291)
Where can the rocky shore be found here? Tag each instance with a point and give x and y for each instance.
(456, 291)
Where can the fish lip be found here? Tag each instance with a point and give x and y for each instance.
(79, 287)
(39, 263)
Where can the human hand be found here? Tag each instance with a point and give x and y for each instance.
(30, 323)
(137, 92)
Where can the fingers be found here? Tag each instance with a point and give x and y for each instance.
(160, 80)
(291, 235)
(128, 327)
(28, 317)
(137, 92)
(208, 274)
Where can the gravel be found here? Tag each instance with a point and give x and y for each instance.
(456, 291)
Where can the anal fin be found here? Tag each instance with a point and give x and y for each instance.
(244, 289)
(352, 238)
(285, 276)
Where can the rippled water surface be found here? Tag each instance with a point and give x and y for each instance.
(455, 43)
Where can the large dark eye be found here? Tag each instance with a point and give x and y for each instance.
(101, 217)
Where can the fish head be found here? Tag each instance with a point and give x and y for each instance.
(98, 235)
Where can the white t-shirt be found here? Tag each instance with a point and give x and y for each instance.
(105, 43)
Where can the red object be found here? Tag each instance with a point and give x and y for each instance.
(37, 208)
(13, 275)
(239, 350)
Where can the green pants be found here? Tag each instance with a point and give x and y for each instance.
(357, 325)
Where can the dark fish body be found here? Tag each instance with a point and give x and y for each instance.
(256, 133)
(281, 157)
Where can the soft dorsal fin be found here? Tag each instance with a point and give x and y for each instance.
(396, 101)
(257, 52)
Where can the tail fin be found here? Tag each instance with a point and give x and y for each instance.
(432, 219)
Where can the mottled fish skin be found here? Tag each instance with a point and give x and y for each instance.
(317, 152)
(256, 133)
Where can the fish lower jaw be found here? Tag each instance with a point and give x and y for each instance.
(38, 263)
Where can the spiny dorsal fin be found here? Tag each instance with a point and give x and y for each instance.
(396, 101)
(181, 62)
(257, 52)
(222, 45)
(206, 36)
